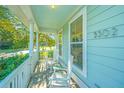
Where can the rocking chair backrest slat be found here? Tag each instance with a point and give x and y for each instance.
(70, 63)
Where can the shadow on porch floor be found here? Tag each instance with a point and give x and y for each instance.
(40, 77)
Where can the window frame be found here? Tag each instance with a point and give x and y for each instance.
(82, 12)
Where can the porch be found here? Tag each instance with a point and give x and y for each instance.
(93, 35)
(41, 75)
(33, 72)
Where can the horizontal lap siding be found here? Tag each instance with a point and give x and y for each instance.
(91, 9)
(109, 42)
(105, 49)
(108, 62)
(102, 78)
(114, 53)
(112, 17)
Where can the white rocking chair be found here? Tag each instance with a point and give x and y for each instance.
(57, 81)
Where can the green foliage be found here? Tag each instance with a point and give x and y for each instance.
(47, 40)
(9, 64)
(43, 54)
(13, 33)
(50, 54)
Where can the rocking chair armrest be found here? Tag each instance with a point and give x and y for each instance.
(59, 69)
(54, 64)
(58, 79)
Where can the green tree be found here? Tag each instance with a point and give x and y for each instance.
(47, 39)
(12, 29)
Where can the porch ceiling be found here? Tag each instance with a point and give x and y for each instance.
(51, 19)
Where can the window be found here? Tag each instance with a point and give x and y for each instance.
(77, 37)
(60, 43)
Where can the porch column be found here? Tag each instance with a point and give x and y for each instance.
(57, 47)
(31, 28)
(37, 44)
(31, 39)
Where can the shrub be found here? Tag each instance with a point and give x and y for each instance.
(9, 64)
(50, 54)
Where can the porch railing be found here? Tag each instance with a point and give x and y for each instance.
(20, 77)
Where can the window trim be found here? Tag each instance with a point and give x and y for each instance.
(82, 12)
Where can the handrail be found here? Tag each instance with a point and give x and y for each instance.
(19, 78)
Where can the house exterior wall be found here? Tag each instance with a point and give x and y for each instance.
(105, 47)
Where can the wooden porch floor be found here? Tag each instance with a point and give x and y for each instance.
(40, 77)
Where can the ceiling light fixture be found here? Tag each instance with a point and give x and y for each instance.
(53, 4)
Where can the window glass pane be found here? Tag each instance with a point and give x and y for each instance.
(79, 29)
(76, 51)
(60, 37)
(73, 29)
(76, 30)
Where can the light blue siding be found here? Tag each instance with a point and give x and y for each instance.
(110, 42)
(105, 54)
(115, 53)
(97, 11)
(92, 8)
(101, 77)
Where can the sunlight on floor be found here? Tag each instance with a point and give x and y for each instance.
(40, 77)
